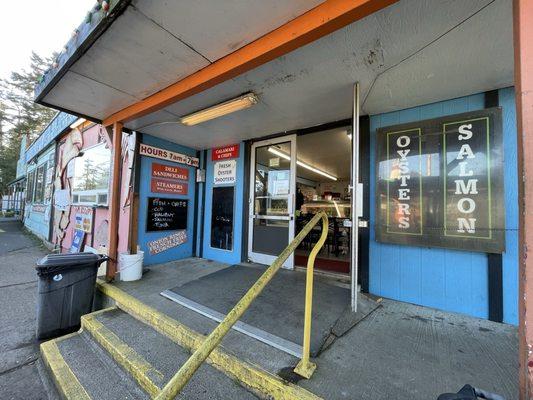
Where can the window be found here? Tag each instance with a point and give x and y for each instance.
(29, 188)
(90, 181)
(222, 218)
(40, 174)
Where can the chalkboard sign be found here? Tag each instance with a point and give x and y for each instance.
(440, 182)
(165, 214)
(222, 218)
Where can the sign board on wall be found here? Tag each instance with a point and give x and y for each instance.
(163, 154)
(166, 214)
(61, 199)
(169, 172)
(84, 219)
(168, 242)
(225, 172)
(225, 152)
(171, 187)
(440, 183)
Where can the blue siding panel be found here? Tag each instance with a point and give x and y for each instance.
(225, 256)
(444, 278)
(184, 250)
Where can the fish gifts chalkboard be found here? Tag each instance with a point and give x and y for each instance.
(166, 214)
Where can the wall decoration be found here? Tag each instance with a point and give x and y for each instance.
(77, 241)
(61, 199)
(225, 172)
(163, 154)
(166, 186)
(166, 214)
(225, 152)
(84, 219)
(169, 172)
(440, 182)
(38, 208)
(165, 243)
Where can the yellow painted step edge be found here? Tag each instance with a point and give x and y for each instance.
(66, 382)
(140, 369)
(262, 382)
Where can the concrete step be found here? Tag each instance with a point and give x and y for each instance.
(153, 359)
(174, 340)
(82, 370)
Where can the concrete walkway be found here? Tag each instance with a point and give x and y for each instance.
(401, 351)
(19, 350)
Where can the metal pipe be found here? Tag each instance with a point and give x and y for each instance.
(355, 187)
(178, 381)
(305, 367)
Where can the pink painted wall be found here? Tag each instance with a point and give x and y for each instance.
(92, 136)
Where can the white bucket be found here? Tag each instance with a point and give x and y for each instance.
(130, 266)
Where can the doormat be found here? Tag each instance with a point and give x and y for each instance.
(276, 316)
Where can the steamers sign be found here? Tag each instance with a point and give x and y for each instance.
(440, 183)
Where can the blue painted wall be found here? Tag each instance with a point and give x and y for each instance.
(226, 256)
(39, 222)
(442, 278)
(186, 249)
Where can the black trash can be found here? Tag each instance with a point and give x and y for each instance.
(66, 291)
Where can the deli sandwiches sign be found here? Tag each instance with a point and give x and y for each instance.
(440, 183)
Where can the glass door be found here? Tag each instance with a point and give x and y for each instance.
(272, 193)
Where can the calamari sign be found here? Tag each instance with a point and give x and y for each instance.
(168, 242)
(440, 183)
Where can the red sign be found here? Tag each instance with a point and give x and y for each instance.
(169, 172)
(163, 186)
(225, 153)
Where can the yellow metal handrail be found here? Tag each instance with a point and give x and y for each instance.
(305, 367)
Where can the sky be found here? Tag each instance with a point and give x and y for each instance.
(39, 25)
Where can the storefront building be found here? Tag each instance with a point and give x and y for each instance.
(40, 169)
(81, 189)
(398, 122)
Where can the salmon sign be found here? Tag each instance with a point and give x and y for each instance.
(163, 154)
(440, 182)
(225, 152)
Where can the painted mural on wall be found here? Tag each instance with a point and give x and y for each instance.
(68, 151)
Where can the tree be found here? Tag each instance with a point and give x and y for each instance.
(19, 115)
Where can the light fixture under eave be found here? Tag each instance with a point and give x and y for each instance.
(77, 123)
(240, 103)
(281, 154)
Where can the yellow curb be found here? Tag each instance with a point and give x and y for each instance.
(140, 369)
(265, 384)
(66, 382)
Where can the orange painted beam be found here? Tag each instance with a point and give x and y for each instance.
(114, 206)
(523, 51)
(308, 27)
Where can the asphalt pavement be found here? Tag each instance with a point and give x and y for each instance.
(19, 349)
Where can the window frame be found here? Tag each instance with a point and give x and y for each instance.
(93, 192)
(38, 198)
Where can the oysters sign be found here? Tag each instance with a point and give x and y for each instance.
(440, 183)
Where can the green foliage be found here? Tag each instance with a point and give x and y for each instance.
(19, 115)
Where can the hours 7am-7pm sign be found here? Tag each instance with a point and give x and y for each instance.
(440, 183)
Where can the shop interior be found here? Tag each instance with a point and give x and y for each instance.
(322, 181)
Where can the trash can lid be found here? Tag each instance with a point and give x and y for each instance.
(68, 260)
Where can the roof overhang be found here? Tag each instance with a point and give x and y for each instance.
(148, 63)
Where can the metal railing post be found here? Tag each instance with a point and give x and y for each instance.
(305, 367)
(187, 370)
